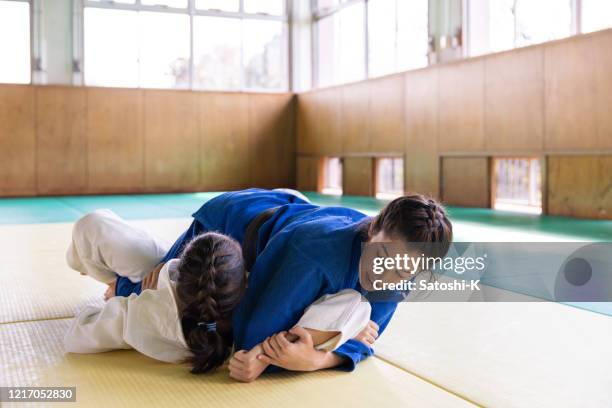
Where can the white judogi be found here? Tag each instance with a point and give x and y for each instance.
(104, 246)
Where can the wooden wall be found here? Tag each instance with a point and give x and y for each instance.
(546, 100)
(77, 140)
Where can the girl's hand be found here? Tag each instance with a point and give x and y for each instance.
(369, 334)
(150, 281)
(110, 291)
(245, 366)
(298, 356)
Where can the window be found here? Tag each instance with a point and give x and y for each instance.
(517, 185)
(596, 15)
(498, 25)
(389, 178)
(236, 44)
(15, 42)
(397, 35)
(341, 46)
(397, 38)
(332, 176)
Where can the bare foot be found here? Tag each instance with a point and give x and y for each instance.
(110, 291)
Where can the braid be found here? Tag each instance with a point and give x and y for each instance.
(210, 284)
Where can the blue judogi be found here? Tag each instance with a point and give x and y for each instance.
(303, 252)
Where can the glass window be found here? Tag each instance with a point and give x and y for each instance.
(164, 54)
(501, 25)
(542, 20)
(167, 3)
(264, 54)
(275, 7)
(398, 35)
(517, 185)
(332, 176)
(223, 5)
(323, 5)
(412, 34)
(216, 52)
(341, 46)
(111, 56)
(596, 15)
(389, 178)
(15, 42)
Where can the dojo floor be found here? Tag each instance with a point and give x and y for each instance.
(433, 354)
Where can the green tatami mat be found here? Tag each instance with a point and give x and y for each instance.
(471, 224)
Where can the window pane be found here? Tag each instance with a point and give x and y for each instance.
(216, 52)
(224, 5)
(14, 42)
(501, 25)
(542, 20)
(164, 54)
(412, 34)
(111, 56)
(326, 4)
(264, 55)
(276, 7)
(169, 3)
(596, 15)
(341, 46)
(518, 185)
(389, 178)
(332, 176)
(382, 32)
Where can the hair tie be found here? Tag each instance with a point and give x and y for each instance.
(210, 327)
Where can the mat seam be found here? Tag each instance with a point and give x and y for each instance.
(427, 380)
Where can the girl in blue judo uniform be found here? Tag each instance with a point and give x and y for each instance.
(297, 252)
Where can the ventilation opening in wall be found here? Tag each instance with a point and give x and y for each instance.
(389, 178)
(517, 185)
(332, 176)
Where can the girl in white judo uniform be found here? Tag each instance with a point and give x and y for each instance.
(188, 316)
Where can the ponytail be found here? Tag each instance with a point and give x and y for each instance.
(211, 282)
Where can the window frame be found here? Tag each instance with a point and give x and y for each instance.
(318, 15)
(191, 11)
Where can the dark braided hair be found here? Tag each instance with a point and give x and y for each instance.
(211, 282)
(416, 218)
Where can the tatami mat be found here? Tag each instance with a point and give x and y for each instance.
(31, 354)
(506, 354)
(37, 283)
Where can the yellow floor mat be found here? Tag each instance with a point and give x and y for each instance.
(506, 354)
(39, 293)
(37, 283)
(31, 354)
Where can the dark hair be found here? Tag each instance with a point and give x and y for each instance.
(416, 218)
(211, 282)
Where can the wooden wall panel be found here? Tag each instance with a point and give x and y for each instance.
(358, 176)
(421, 163)
(172, 161)
(272, 142)
(466, 181)
(461, 106)
(580, 186)
(387, 123)
(61, 141)
(306, 119)
(328, 122)
(514, 101)
(18, 140)
(355, 117)
(603, 70)
(115, 140)
(225, 151)
(570, 90)
(309, 173)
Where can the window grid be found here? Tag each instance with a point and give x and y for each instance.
(191, 10)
